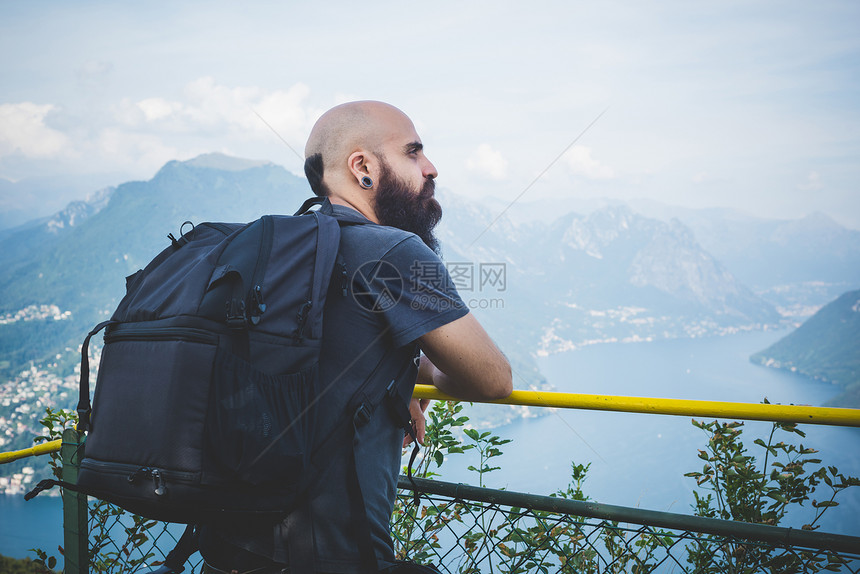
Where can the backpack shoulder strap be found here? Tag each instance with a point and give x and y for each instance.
(309, 203)
(326, 208)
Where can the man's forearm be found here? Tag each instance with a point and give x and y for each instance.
(430, 374)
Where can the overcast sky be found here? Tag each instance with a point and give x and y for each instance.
(752, 105)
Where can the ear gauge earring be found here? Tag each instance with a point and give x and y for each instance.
(366, 182)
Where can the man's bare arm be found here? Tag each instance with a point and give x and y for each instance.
(461, 360)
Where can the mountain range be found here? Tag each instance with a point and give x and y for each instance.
(606, 274)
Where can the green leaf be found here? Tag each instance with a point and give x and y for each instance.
(777, 496)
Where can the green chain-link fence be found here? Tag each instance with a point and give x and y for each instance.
(461, 534)
(466, 529)
(462, 528)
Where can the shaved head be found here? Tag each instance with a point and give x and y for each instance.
(345, 129)
(367, 156)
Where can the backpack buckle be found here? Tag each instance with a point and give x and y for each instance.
(236, 313)
(362, 415)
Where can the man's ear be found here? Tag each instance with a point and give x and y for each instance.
(359, 165)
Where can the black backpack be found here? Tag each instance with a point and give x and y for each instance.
(208, 379)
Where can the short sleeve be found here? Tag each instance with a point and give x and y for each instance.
(410, 287)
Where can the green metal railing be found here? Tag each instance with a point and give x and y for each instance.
(578, 536)
(465, 529)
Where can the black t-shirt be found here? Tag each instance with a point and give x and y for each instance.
(397, 290)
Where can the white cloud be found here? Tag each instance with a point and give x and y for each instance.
(23, 130)
(210, 109)
(139, 135)
(131, 150)
(157, 108)
(579, 160)
(488, 162)
(214, 106)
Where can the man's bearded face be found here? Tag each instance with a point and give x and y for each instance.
(399, 205)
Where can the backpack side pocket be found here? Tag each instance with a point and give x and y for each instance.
(258, 423)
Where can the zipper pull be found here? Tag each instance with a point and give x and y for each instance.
(258, 297)
(259, 307)
(160, 490)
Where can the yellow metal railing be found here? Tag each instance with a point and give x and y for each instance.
(44, 448)
(716, 409)
(654, 406)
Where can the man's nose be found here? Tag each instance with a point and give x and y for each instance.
(429, 170)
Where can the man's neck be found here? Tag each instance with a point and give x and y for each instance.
(363, 208)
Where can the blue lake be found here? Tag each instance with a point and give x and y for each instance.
(37, 523)
(636, 460)
(639, 460)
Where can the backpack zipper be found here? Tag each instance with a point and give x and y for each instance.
(162, 334)
(257, 306)
(160, 478)
(305, 311)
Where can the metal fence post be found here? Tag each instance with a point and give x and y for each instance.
(75, 513)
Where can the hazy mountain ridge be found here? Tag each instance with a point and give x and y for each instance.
(825, 347)
(796, 265)
(78, 211)
(20, 242)
(36, 198)
(611, 275)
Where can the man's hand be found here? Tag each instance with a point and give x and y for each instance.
(416, 412)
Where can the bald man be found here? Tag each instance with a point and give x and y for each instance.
(395, 300)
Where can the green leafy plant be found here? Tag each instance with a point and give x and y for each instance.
(55, 422)
(740, 488)
(532, 541)
(43, 562)
(516, 541)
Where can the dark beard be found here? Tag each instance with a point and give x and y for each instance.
(397, 205)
